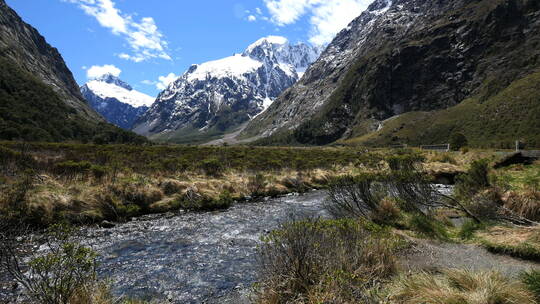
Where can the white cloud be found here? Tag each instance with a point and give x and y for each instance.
(144, 37)
(98, 71)
(148, 82)
(165, 81)
(258, 10)
(327, 18)
(252, 18)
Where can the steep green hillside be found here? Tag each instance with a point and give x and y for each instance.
(413, 61)
(512, 114)
(31, 110)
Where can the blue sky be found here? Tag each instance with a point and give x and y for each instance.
(144, 41)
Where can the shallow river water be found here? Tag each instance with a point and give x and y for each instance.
(194, 257)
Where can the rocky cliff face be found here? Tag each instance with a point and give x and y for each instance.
(401, 56)
(218, 96)
(116, 100)
(23, 44)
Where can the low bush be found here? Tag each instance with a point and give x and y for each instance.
(355, 196)
(427, 227)
(171, 186)
(475, 180)
(55, 276)
(387, 213)
(212, 167)
(296, 184)
(466, 232)
(458, 141)
(257, 184)
(459, 287)
(99, 172)
(323, 261)
(72, 168)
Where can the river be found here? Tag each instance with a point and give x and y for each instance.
(194, 257)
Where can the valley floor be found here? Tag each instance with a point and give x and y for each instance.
(484, 244)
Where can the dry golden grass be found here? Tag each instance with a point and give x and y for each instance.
(459, 287)
(130, 194)
(524, 203)
(512, 236)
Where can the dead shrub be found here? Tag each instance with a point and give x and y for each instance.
(306, 259)
(387, 212)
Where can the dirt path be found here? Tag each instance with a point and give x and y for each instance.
(432, 255)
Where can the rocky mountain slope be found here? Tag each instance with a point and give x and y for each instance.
(116, 100)
(216, 97)
(403, 56)
(39, 99)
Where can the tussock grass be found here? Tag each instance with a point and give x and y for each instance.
(526, 203)
(532, 280)
(459, 287)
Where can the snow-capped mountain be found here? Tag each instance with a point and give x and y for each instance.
(116, 100)
(219, 96)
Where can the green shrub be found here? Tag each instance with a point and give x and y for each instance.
(428, 227)
(71, 168)
(99, 171)
(468, 229)
(55, 276)
(212, 167)
(476, 179)
(458, 141)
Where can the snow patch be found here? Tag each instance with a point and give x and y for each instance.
(234, 66)
(131, 97)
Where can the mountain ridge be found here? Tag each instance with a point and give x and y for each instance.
(216, 97)
(403, 56)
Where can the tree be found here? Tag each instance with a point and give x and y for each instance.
(458, 141)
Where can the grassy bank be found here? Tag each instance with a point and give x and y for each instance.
(43, 184)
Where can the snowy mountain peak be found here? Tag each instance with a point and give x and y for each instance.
(221, 95)
(234, 66)
(111, 79)
(267, 41)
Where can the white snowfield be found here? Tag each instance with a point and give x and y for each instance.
(110, 90)
(234, 66)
